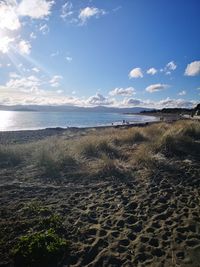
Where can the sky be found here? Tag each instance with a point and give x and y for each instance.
(121, 53)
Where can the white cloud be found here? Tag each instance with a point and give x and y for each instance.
(193, 69)
(171, 65)
(5, 44)
(44, 29)
(9, 19)
(133, 102)
(55, 81)
(176, 103)
(59, 91)
(24, 84)
(69, 59)
(156, 87)
(164, 103)
(135, 73)
(122, 91)
(12, 12)
(14, 75)
(28, 90)
(24, 47)
(152, 71)
(35, 70)
(66, 10)
(182, 92)
(89, 12)
(54, 54)
(36, 9)
(33, 36)
(98, 100)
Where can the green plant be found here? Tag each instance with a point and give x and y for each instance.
(45, 249)
(53, 221)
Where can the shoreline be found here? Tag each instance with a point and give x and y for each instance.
(24, 136)
(74, 124)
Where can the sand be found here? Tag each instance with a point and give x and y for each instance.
(154, 222)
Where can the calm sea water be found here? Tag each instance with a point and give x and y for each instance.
(19, 120)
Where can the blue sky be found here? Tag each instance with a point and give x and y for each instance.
(87, 53)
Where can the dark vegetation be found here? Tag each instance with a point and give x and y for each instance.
(175, 111)
(40, 249)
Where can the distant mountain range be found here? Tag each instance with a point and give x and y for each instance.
(63, 108)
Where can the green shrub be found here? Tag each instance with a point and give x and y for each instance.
(54, 221)
(45, 249)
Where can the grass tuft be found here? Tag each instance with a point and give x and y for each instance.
(53, 157)
(10, 155)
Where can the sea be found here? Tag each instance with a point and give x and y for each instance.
(28, 120)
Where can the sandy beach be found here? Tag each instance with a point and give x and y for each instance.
(147, 218)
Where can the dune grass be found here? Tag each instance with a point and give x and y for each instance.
(53, 156)
(108, 152)
(10, 155)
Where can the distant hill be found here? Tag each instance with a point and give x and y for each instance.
(65, 108)
(177, 111)
(170, 111)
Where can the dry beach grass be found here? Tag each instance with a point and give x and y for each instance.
(121, 197)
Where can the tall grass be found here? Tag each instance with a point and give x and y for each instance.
(95, 147)
(181, 139)
(113, 152)
(53, 156)
(10, 155)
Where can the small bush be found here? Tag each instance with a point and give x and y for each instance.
(45, 249)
